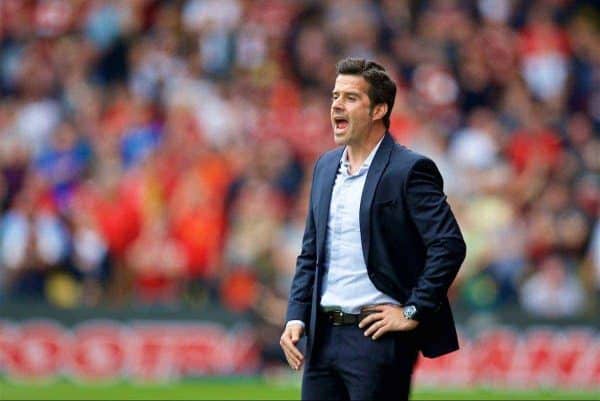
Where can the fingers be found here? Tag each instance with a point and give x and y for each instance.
(292, 350)
(381, 331)
(375, 327)
(383, 320)
(292, 355)
(289, 348)
(288, 339)
(373, 317)
(292, 360)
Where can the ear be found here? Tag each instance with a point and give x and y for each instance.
(379, 111)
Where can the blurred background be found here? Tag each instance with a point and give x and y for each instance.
(156, 157)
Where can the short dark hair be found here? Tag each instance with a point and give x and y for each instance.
(382, 88)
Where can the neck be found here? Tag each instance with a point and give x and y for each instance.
(358, 152)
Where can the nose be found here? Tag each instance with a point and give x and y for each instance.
(337, 105)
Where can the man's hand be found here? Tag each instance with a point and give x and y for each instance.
(386, 318)
(290, 337)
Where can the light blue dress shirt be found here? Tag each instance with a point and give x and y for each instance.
(346, 283)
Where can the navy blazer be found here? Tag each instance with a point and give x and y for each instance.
(411, 242)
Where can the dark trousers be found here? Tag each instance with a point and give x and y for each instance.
(346, 365)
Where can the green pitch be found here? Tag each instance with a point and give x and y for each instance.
(240, 389)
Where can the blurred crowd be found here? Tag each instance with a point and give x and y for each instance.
(160, 152)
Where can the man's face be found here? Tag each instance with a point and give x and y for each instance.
(350, 110)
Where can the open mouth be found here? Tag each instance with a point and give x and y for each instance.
(340, 123)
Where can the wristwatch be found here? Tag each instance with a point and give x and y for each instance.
(410, 311)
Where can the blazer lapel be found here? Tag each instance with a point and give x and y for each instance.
(325, 188)
(380, 160)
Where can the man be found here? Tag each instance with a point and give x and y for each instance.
(380, 249)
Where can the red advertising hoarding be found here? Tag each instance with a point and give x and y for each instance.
(158, 351)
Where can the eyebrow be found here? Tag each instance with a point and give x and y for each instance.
(346, 92)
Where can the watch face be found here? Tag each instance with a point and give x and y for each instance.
(410, 311)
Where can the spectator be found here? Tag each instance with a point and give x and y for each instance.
(552, 291)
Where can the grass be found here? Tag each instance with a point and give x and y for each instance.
(241, 389)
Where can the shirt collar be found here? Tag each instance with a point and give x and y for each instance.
(366, 164)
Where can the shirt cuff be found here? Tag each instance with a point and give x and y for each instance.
(300, 322)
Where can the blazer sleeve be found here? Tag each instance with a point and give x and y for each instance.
(299, 303)
(440, 233)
